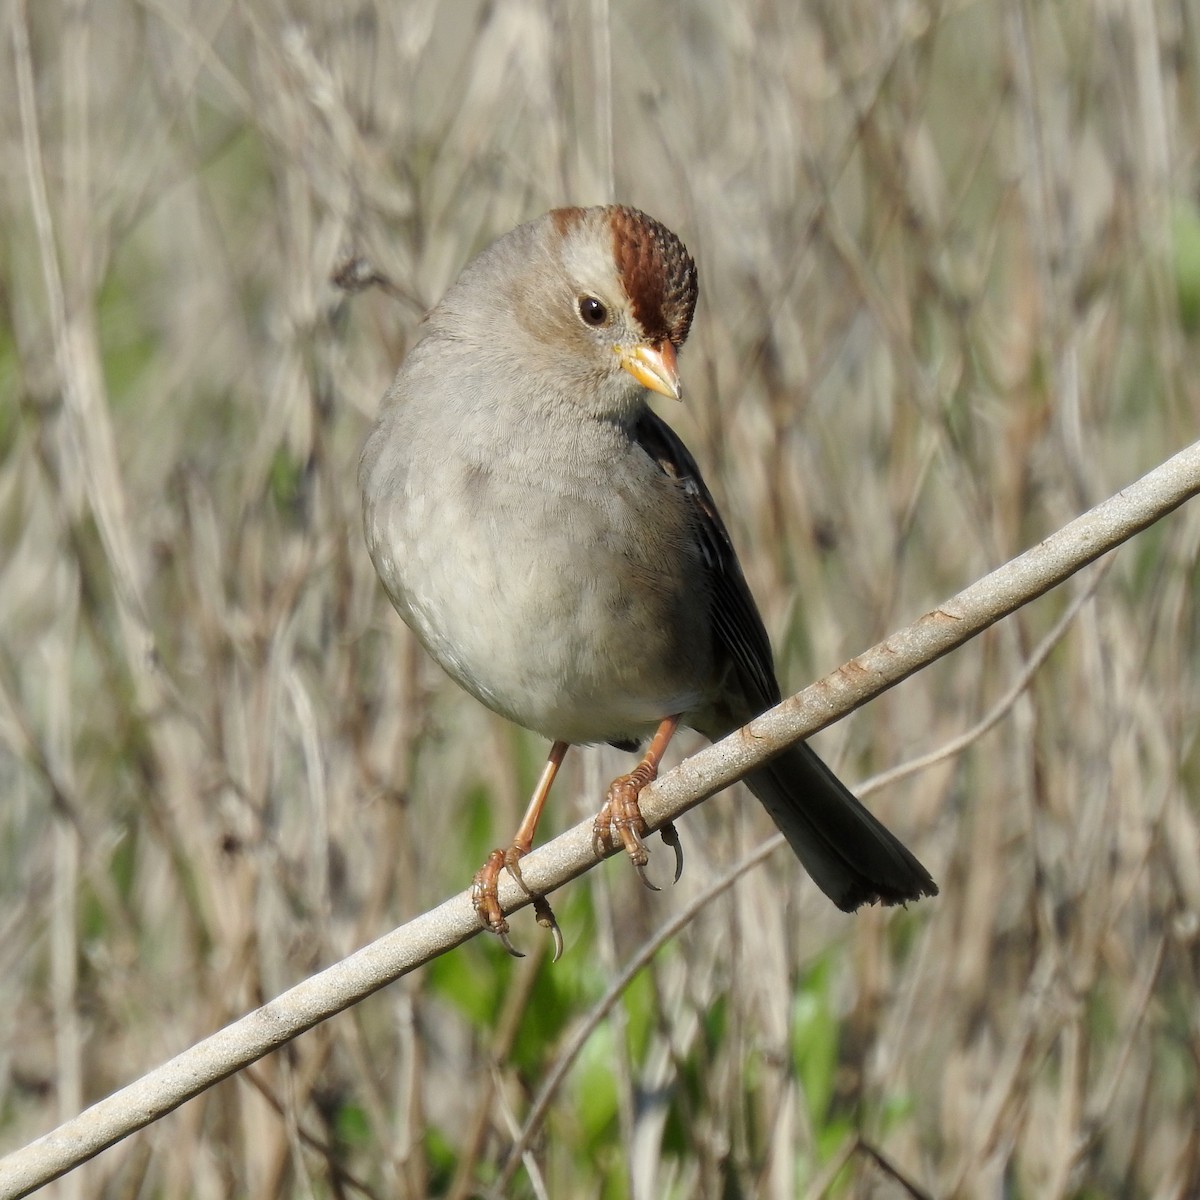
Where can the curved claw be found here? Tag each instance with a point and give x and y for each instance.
(640, 868)
(621, 820)
(487, 903)
(670, 837)
(546, 919)
(502, 934)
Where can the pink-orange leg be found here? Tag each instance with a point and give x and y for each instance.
(483, 888)
(622, 816)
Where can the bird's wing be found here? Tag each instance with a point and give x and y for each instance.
(741, 638)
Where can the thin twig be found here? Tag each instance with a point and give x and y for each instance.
(1000, 709)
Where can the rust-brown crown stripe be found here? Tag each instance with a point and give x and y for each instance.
(657, 272)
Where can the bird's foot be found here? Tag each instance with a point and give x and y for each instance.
(486, 901)
(620, 821)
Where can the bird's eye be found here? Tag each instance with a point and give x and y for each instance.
(592, 311)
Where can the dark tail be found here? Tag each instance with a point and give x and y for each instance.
(852, 858)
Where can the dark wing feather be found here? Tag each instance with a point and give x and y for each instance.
(853, 858)
(741, 636)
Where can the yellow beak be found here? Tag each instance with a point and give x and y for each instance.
(653, 367)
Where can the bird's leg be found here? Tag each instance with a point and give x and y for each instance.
(483, 889)
(622, 817)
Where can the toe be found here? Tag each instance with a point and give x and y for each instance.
(547, 920)
(670, 836)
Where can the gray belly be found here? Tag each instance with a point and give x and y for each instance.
(559, 613)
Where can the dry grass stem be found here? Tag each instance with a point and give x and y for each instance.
(950, 298)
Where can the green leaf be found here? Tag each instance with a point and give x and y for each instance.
(594, 1088)
(1185, 228)
(352, 1126)
(814, 1039)
(472, 981)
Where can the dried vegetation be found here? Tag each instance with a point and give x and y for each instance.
(950, 265)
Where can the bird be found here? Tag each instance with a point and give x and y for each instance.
(551, 542)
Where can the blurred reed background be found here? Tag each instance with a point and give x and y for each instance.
(950, 272)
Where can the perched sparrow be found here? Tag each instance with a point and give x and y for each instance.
(551, 543)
